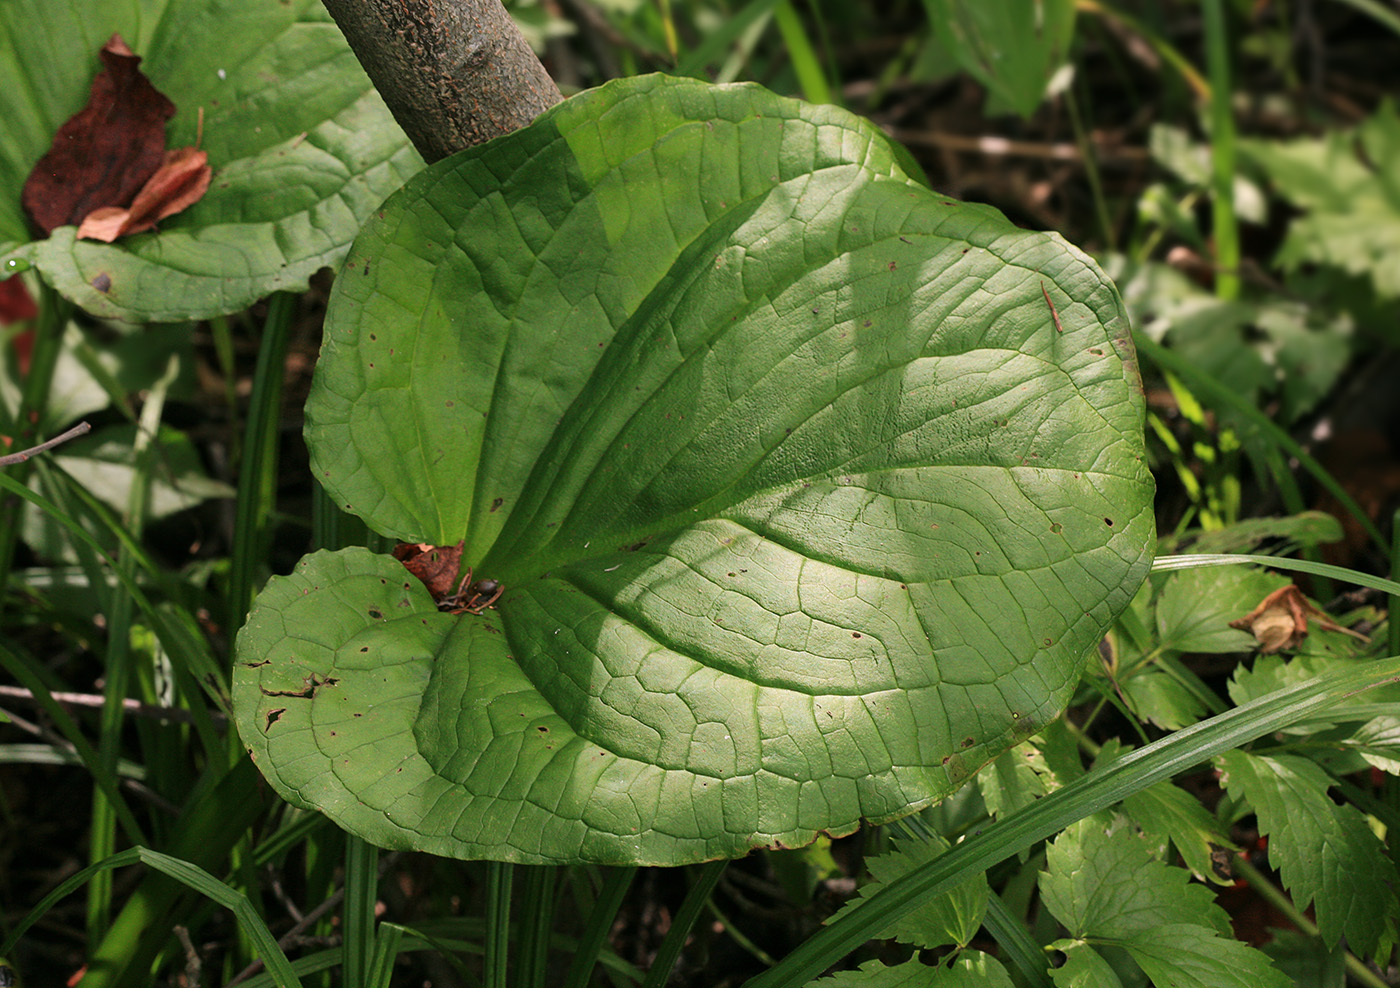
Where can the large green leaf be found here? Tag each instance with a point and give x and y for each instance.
(302, 148)
(803, 508)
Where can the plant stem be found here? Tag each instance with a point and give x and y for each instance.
(257, 484)
(595, 929)
(357, 918)
(497, 953)
(1222, 142)
(686, 916)
(536, 921)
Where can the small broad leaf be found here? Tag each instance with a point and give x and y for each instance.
(1378, 741)
(953, 919)
(301, 147)
(1342, 181)
(1016, 778)
(1162, 699)
(1100, 880)
(1325, 853)
(1186, 955)
(801, 507)
(1306, 960)
(1196, 606)
(1167, 812)
(1013, 47)
(1084, 967)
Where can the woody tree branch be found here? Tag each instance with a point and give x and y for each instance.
(454, 72)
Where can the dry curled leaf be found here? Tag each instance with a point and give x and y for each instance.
(438, 566)
(181, 181)
(1281, 621)
(106, 152)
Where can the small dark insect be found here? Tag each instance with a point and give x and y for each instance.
(1053, 314)
(472, 598)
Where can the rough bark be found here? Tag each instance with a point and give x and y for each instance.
(453, 72)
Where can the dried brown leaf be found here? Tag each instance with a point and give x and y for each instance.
(1281, 620)
(180, 182)
(438, 566)
(106, 152)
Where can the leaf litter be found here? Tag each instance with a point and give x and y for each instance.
(108, 171)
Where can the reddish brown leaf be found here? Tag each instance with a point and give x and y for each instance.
(181, 181)
(438, 566)
(106, 152)
(1281, 620)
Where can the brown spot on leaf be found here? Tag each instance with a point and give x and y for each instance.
(103, 282)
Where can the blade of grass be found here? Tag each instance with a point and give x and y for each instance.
(699, 893)
(105, 781)
(1371, 8)
(49, 328)
(536, 921)
(497, 947)
(209, 676)
(1047, 816)
(357, 918)
(257, 475)
(387, 943)
(118, 672)
(191, 876)
(1166, 564)
(220, 808)
(805, 63)
(1224, 224)
(1016, 942)
(596, 926)
(716, 42)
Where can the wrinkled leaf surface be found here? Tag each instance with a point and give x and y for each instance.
(803, 508)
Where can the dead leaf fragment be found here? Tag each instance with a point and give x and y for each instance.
(438, 566)
(180, 182)
(1281, 621)
(106, 152)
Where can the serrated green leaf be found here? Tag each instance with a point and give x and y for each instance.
(1274, 672)
(803, 507)
(953, 919)
(1351, 197)
(1196, 606)
(1101, 881)
(1185, 955)
(1084, 967)
(970, 969)
(1306, 960)
(1015, 779)
(1324, 852)
(1167, 812)
(1161, 699)
(303, 149)
(1378, 741)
